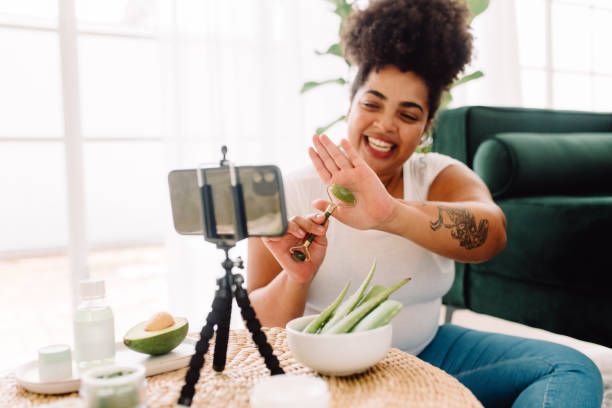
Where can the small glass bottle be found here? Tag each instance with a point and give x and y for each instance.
(94, 327)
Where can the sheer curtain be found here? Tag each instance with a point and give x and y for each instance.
(232, 73)
(496, 54)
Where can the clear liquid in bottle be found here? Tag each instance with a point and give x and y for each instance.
(94, 327)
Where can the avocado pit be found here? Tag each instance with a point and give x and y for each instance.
(160, 321)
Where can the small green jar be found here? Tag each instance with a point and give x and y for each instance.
(116, 386)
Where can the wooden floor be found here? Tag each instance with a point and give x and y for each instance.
(35, 302)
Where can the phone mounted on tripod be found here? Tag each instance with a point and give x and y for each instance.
(226, 204)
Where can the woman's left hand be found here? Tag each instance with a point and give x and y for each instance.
(374, 206)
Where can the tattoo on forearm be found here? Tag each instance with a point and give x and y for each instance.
(462, 224)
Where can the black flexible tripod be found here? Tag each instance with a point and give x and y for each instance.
(228, 287)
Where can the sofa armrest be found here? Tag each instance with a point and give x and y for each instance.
(458, 132)
(527, 164)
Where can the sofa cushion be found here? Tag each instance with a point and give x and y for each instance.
(556, 241)
(518, 164)
(459, 132)
(558, 309)
(554, 271)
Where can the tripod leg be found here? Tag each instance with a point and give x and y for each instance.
(223, 325)
(252, 323)
(216, 315)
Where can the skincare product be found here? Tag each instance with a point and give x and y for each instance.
(295, 391)
(94, 327)
(54, 362)
(117, 386)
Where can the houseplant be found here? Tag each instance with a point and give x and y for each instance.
(342, 8)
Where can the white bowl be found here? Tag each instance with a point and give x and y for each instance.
(337, 354)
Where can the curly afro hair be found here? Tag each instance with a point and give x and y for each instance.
(428, 37)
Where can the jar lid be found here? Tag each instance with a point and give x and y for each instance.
(53, 354)
(113, 375)
(296, 391)
(92, 288)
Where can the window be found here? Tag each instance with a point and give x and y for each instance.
(118, 45)
(162, 84)
(565, 53)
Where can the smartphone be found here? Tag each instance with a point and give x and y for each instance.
(261, 190)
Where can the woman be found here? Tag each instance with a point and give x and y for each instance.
(415, 213)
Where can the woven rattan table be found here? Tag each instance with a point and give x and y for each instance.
(399, 380)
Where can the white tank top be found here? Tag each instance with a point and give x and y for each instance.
(350, 254)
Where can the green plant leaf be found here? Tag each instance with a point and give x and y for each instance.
(477, 7)
(313, 84)
(333, 49)
(322, 129)
(343, 10)
(468, 78)
(423, 149)
(337, 2)
(445, 100)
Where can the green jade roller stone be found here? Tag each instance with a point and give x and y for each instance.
(342, 194)
(298, 256)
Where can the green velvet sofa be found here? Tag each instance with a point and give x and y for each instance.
(551, 173)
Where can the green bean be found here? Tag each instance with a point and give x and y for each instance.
(348, 305)
(320, 320)
(380, 316)
(359, 312)
(374, 290)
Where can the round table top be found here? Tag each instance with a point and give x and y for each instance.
(399, 380)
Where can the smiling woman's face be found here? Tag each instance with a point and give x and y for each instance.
(387, 117)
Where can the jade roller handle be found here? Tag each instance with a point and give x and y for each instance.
(312, 236)
(299, 255)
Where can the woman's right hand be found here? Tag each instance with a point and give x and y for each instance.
(298, 229)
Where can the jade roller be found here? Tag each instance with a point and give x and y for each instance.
(344, 198)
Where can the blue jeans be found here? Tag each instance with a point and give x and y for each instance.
(504, 371)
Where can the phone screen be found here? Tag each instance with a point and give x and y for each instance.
(262, 196)
(261, 190)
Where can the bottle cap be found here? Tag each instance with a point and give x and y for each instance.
(92, 288)
(56, 353)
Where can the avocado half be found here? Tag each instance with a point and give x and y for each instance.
(158, 341)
